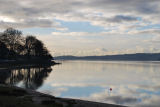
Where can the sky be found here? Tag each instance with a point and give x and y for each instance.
(87, 27)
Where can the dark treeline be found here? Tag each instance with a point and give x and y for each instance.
(15, 46)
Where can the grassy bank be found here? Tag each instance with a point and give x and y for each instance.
(18, 97)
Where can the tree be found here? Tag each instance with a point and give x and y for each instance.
(35, 47)
(13, 40)
(13, 37)
(40, 49)
(30, 45)
(3, 50)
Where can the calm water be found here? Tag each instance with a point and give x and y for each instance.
(132, 83)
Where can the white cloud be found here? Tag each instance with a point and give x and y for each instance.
(102, 43)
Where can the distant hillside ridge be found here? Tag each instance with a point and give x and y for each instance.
(123, 57)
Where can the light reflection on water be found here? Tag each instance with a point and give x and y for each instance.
(132, 83)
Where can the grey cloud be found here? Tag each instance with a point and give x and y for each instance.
(152, 31)
(42, 23)
(120, 18)
(30, 13)
(139, 6)
(78, 10)
(121, 100)
(30, 23)
(154, 101)
(147, 31)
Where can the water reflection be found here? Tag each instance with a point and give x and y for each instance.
(26, 77)
(133, 83)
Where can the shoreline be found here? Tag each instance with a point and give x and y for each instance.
(11, 95)
(26, 63)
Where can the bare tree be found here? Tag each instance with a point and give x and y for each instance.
(30, 45)
(17, 45)
(13, 39)
(36, 47)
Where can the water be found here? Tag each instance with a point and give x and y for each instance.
(132, 83)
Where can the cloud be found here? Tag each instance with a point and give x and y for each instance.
(152, 102)
(102, 12)
(138, 6)
(100, 43)
(120, 18)
(116, 17)
(121, 100)
(31, 24)
(148, 31)
(55, 91)
(131, 95)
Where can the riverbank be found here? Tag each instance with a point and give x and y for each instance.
(11, 96)
(26, 63)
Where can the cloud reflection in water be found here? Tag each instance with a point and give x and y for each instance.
(133, 83)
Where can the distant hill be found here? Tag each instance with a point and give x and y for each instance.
(124, 57)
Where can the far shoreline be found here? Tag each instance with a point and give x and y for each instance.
(118, 57)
